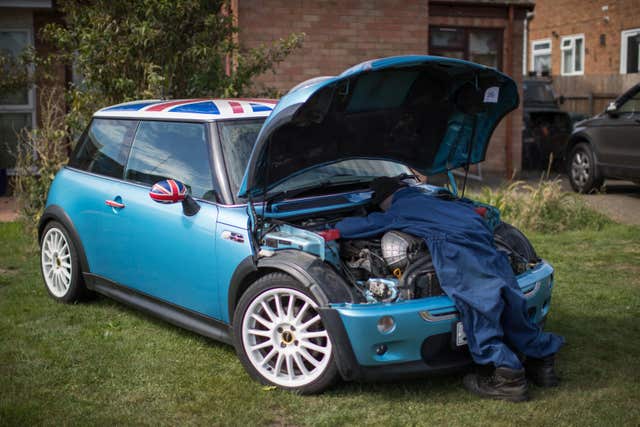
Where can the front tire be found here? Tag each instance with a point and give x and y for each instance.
(582, 170)
(59, 264)
(280, 338)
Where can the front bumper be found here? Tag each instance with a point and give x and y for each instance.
(422, 340)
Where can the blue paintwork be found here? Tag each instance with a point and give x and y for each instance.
(187, 261)
(453, 151)
(205, 107)
(165, 240)
(233, 219)
(133, 106)
(258, 108)
(405, 341)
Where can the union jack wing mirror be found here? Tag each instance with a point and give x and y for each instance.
(173, 191)
(168, 191)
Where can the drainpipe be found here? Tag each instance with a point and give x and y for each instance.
(525, 43)
(508, 149)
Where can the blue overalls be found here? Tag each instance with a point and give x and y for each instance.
(471, 271)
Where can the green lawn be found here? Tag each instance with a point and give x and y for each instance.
(102, 363)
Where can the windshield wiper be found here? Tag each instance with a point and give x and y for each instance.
(405, 175)
(327, 183)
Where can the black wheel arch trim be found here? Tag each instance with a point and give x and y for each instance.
(581, 138)
(56, 213)
(344, 356)
(320, 278)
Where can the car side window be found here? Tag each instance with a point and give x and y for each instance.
(631, 105)
(172, 150)
(104, 147)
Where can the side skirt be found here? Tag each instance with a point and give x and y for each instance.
(187, 319)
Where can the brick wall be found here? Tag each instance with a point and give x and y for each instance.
(343, 33)
(567, 17)
(602, 79)
(339, 33)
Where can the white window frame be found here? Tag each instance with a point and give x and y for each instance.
(30, 107)
(624, 41)
(535, 53)
(573, 39)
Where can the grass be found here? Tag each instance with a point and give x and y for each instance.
(101, 363)
(543, 207)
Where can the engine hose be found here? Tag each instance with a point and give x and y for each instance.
(407, 282)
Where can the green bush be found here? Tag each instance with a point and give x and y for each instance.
(41, 153)
(125, 50)
(544, 207)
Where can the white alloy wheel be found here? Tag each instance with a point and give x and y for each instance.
(284, 338)
(57, 266)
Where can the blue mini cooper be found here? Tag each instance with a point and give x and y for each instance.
(218, 215)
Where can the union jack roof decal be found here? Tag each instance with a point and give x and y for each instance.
(192, 108)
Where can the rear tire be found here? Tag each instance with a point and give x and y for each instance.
(582, 170)
(59, 264)
(280, 338)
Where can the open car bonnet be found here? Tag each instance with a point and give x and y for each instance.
(429, 113)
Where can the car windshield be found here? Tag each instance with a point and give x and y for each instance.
(538, 92)
(237, 138)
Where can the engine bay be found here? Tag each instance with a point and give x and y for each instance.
(394, 266)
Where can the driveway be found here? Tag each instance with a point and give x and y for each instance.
(620, 201)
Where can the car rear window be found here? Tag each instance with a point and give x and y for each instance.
(172, 150)
(104, 147)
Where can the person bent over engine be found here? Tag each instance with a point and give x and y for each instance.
(477, 277)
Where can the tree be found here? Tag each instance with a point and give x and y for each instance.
(126, 50)
(135, 49)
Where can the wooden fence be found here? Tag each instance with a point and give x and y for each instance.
(591, 94)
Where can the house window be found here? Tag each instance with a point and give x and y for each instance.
(630, 51)
(17, 108)
(541, 56)
(483, 46)
(572, 55)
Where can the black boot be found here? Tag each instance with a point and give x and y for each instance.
(541, 372)
(503, 383)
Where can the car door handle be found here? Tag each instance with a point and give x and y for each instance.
(114, 204)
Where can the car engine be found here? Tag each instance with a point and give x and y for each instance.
(395, 267)
(398, 266)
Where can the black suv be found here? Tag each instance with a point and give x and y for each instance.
(607, 145)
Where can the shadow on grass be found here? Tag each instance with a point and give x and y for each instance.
(601, 353)
(101, 300)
